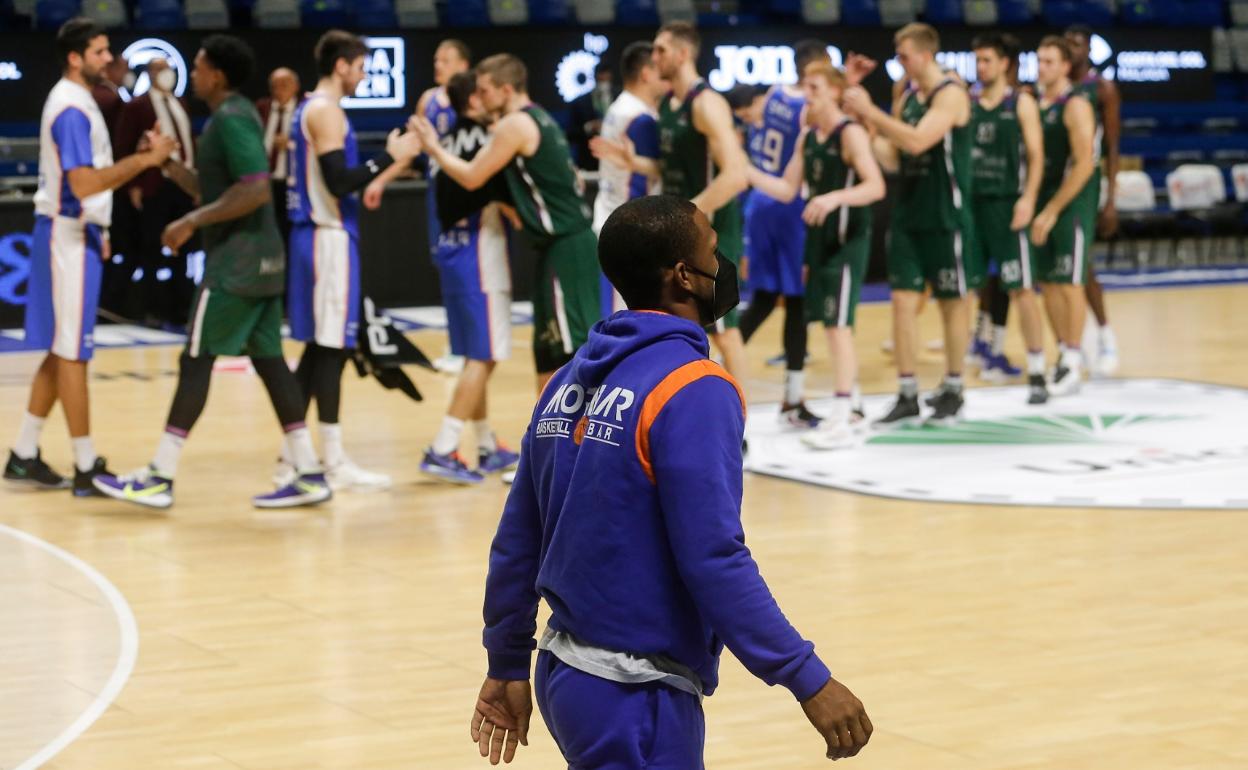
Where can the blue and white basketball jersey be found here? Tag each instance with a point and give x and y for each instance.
(309, 199)
(628, 116)
(439, 112)
(72, 134)
(472, 254)
(772, 145)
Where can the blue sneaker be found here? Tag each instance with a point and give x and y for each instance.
(997, 368)
(143, 487)
(306, 489)
(501, 459)
(979, 353)
(449, 468)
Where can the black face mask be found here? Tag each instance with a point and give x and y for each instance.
(725, 293)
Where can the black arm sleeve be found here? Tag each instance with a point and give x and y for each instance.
(343, 181)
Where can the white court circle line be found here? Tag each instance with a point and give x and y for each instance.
(125, 660)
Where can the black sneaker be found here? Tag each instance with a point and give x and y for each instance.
(798, 416)
(946, 407)
(1065, 381)
(84, 481)
(1037, 391)
(906, 408)
(33, 472)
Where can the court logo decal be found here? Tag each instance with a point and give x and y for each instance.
(1150, 443)
(140, 53)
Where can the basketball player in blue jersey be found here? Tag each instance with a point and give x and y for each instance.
(775, 236)
(633, 116)
(472, 261)
(73, 210)
(324, 299)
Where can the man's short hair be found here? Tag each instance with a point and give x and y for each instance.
(460, 47)
(1058, 42)
(505, 70)
(640, 240)
(1079, 30)
(636, 57)
(684, 32)
(994, 40)
(825, 70)
(808, 51)
(75, 36)
(459, 89)
(334, 45)
(742, 95)
(230, 55)
(922, 35)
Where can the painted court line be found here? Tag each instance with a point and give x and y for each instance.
(125, 660)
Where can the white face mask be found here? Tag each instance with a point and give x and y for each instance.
(166, 80)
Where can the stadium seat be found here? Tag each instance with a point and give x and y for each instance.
(1063, 13)
(1148, 12)
(1239, 13)
(465, 13)
(1135, 192)
(640, 13)
(676, 10)
(107, 13)
(508, 13)
(1015, 12)
(980, 13)
(821, 11)
(207, 14)
(943, 12)
(1195, 186)
(159, 14)
(416, 14)
(372, 14)
(895, 13)
(1202, 13)
(863, 13)
(1222, 59)
(51, 14)
(323, 14)
(276, 14)
(549, 12)
(1239, 47)
(594, 11)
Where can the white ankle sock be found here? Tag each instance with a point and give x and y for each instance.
(794, 385)
(998, 340)
(486, 441)
(447, 440)
(27, 445)
(1035, 362)
(167, 453)
(302, 451)
(1072, 359)
(331, 444)
(84, 453)
(1109, 340)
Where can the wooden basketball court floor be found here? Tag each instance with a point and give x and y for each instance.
(348, 637)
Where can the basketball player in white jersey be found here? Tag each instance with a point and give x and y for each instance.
(324, 297)
(73, 210)
(633, 115)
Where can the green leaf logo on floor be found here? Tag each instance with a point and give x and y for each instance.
(1037, 429)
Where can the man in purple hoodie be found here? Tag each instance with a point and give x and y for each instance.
(625, 517)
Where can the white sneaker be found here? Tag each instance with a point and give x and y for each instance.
(348, 475)
(830, 438)
(449, 364)
(1107, 363)
(284, 474)
(508, 477)
(1064, 381)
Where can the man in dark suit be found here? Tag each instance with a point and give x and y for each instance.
(276, 111)
(587, 113)
(164, 291)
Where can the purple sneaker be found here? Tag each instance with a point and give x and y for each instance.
(997, 368)
(501, 459)
(143, 487)
(449, 468)
(306, 489)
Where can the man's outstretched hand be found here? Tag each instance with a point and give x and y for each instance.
(500, 721)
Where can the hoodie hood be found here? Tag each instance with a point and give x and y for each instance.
(628, 331)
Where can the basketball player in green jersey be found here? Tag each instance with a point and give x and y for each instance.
(1065, 226)
(700, 158)
(1008, 160)
(931, 237)
(834, 160)
(530, 147)
(1107, 106)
